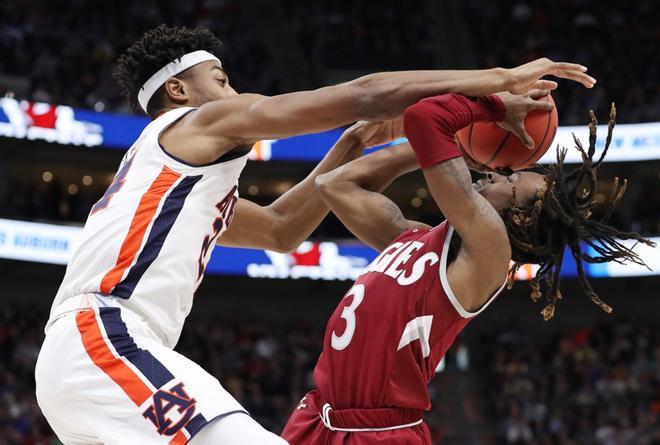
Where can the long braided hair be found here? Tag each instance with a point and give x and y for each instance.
(560, 217)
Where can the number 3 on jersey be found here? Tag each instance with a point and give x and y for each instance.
(340, 342)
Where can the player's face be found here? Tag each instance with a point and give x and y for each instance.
(207, 82)
(498, 189)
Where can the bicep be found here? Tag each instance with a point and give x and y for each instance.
(252, 227)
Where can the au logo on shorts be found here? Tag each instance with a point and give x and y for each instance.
(164, 401)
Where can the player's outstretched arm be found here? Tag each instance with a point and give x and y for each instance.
(283, 225)
(353, 193)
(248, 118)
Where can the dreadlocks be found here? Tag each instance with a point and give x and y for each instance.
(155, 49)
(560, 217)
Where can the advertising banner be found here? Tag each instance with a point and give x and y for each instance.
(316, 260)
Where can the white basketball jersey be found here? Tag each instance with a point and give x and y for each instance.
(147, 241)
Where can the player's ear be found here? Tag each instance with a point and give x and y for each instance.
(176, 90)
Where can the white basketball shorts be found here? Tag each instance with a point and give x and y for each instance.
(103, 377)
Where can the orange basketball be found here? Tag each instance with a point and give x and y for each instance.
(492, 145)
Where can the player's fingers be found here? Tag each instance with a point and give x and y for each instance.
(537, 93)
(540, 104)
(526, 139)
(577, 76)
(565, 66)
(544, 84)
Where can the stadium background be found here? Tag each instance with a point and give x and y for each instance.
(583, 378)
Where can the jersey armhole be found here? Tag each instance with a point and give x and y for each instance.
(444, 281)
(231, 155)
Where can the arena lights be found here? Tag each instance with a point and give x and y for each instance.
(54, 244)
(70, 126)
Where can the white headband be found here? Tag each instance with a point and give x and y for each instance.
(170, 70)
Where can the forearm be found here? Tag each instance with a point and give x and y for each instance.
(388, 94)
(299, 211)
(247, 118)
(373, 172)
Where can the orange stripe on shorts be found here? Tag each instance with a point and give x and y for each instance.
(179, 439)
(102, 356)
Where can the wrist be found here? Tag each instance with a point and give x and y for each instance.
(496, 110)
(507, 78)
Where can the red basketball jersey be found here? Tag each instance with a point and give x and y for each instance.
(392, 328)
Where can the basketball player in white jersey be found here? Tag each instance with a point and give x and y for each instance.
(107, 372)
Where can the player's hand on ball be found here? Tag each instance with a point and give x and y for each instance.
(528, 76)
(517, 107)
(373, 133)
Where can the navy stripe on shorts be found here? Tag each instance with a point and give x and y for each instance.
(144, 361)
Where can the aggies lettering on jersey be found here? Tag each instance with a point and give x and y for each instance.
(387, 336)
(147, 241)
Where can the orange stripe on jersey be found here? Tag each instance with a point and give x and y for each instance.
(141, 220)
(102, 356)
(179, 439)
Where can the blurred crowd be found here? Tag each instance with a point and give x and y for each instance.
(66, 50)
(51, 201)
(21, 334)
(354, 35)
(596, 386)
(617, 40)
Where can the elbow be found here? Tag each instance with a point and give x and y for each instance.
(417, 118)
(432, 116)
(284, 240)
(424, 112)
(284, 246)
(332, 185)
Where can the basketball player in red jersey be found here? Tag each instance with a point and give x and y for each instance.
(392, 328)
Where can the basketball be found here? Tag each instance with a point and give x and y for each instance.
(495, 147)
